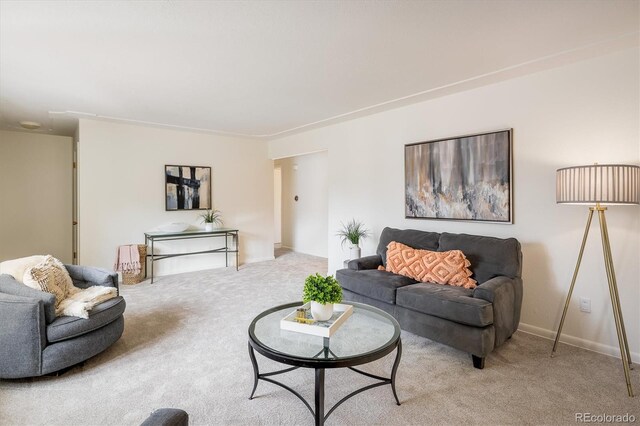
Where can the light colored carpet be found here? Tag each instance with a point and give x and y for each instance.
(185, 346)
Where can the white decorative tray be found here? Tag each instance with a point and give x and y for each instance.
(319, 328)
(174, 227)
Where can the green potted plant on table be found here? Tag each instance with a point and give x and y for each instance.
(322, 292)
(353, 232)
(211, 218)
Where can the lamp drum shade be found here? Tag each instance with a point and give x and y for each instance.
(598, 184)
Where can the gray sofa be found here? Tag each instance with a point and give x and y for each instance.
(472, 320)
(33, 342)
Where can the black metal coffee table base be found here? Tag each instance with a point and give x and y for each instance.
(318, 413)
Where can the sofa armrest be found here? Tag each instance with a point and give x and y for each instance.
(22, 336)
(505, 294)
(367, 262)
(87, 276)
(9, 285)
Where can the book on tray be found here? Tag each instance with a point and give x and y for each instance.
(308, 325)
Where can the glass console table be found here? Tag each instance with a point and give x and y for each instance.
(229, 234)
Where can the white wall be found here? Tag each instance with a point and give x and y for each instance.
(304, 222)
(36, 212)
(121, 191)
(581, 113)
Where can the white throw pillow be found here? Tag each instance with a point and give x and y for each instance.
(17, 267)
(51, 276)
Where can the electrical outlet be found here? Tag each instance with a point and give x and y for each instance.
(585, 305)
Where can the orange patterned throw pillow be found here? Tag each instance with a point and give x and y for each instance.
(441, 267)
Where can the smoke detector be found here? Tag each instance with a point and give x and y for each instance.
(30, 125)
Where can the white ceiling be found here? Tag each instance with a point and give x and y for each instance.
(264, 68)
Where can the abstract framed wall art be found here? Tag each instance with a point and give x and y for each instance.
(460, 178)
(187, 187)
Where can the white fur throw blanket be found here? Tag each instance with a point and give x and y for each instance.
(51, 276)
(82, 301)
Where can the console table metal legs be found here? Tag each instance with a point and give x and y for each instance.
(319, 413)
(151, 237)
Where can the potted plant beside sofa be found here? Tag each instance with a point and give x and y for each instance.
(353, 232)
(322, 292)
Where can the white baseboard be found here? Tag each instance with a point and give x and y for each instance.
(600, 348)
(303, 252)
(257, 259)
(175, 271)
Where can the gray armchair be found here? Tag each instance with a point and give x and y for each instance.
(34, 342)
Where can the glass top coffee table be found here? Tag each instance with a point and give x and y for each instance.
(369, 334)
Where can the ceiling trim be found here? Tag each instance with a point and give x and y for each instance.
(600, 48)
(92, 116)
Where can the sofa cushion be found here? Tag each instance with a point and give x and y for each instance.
(64, 328)
(417, 239)
(378, 285)
(452, 303)
(490, 257)
(87, 276)
(445, 267)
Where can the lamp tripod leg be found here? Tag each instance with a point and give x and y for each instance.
(573, 282)
(624, 331)
(615, 289)
(615, 301)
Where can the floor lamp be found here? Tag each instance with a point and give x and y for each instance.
(597, 185)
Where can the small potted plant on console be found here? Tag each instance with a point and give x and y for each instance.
(211, 218)
(322, 292)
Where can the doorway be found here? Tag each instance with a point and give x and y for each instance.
(302, 184)
(277, 211)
